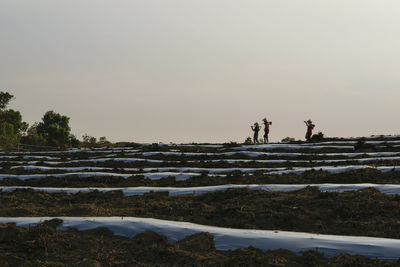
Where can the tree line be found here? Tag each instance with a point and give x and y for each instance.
(52, 131)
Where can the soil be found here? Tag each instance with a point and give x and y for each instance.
(364, 213)
(361, 213)
(43, 245)
(310, 177)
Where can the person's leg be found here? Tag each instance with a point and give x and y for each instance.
(267, 139)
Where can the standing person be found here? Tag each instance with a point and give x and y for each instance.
(310, 127)
(266, 129)
(256, 129)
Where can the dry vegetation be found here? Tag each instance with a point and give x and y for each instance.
(366, 212)
(45, 246)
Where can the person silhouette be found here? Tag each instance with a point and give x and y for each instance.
(310, 127)
(256, 129)
(266, 129)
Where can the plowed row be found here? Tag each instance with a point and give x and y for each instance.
(366, 212)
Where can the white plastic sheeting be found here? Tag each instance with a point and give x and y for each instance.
(228, 238)
(176, 191)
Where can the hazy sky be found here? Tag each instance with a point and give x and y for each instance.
(204, 70)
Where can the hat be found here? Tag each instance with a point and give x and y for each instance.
(309, 121)
(265, 119)
(256, 123)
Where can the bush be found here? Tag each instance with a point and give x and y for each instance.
(248, 141)
(363, 146)
(231, 144)
(318, 137)
(288, 140)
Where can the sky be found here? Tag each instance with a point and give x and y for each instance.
(204, 71)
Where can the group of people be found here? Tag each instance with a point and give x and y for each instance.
(256, 128)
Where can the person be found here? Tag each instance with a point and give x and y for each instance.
(256, 129)
(310, 127)
(266, 129)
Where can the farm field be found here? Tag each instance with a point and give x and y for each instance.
(333, 202)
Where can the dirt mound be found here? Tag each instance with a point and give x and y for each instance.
(366, 212)
(197, 242)
(313, 177)
(45, 246)
(149, 238)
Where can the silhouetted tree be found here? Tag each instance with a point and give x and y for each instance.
(11, 125)
(55, 128)
(5, 98)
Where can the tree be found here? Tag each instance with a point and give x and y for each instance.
(32, 137)
(73, 141)
(11, 125)
(5, 98)
(55, 128)
(89, 141)
(8, 138)
(15, 118)
(103, 141)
